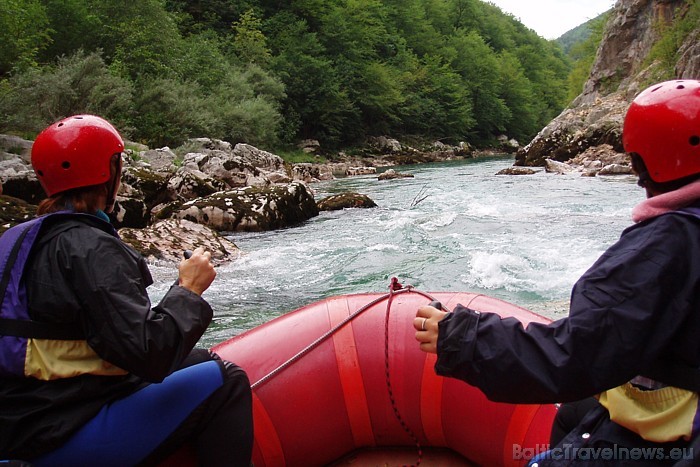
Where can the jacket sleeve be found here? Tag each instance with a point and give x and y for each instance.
(122, 327)
(624, 313)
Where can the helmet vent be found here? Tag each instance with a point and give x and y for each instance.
(694, 140)
(680, 86)
(65, 164)
(60, 124)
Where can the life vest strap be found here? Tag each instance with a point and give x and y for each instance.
(27, 328)
(40, 330)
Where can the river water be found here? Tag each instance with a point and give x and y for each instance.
(455, 226)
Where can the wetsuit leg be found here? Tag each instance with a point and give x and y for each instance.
(220, 429)
(124, 432)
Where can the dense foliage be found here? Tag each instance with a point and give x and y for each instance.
(270, 72)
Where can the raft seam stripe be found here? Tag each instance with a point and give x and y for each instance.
(431, 402)
(350, 374)
(265, 435)
(518, 428)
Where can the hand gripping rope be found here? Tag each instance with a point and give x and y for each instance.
(395, 288)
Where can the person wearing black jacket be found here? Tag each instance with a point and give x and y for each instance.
(631, 337)
(127, 387)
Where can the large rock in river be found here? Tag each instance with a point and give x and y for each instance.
(251, 209)
(345, 200)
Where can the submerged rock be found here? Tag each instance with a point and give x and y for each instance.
(392, 174)
(552, 166)
(516, 171)
(360, 171)
(345, 200)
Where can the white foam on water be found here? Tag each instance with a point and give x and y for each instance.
(521, 238)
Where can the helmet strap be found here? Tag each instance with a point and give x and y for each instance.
(643, 179)
(114, 180)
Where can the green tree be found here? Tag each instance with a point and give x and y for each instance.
(414, 26)
(246, 107)
(23, 33)
(497, 28)
(139, 38)
(203, 60)
(478, 66)
(197, 16)
(243, 107)
(77, 84)
(381, 97)
(316, 104)
(334, 70)
(547, 72)
(516, 91)
(436, 105)
(73, 26)
(249, 43)
(169, 111)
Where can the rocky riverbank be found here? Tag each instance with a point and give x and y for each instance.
(623, 67)
(171, 200)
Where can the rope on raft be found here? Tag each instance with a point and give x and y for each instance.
(395, 285)
(395, 288)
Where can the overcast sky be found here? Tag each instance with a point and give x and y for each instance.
(552, 18)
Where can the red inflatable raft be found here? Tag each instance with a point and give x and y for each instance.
(343, 382)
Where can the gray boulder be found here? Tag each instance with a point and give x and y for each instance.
(167, 239)
(250, 208)
(160, 160)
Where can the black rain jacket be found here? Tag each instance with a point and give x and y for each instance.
(80, 273)
(637, 308)
(637, 305)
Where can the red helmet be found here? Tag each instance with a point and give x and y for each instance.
(75, 152)
(663, 126)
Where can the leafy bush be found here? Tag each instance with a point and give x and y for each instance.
(253, 120)
(23, 33)
(77, 84)
(169, 111)
(297, 156)
(241, 108)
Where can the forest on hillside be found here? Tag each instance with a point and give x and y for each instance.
(271, 72)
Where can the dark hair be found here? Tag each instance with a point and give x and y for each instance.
(646, 181)
(84, 199)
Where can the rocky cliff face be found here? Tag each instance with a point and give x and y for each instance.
(618, 74)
